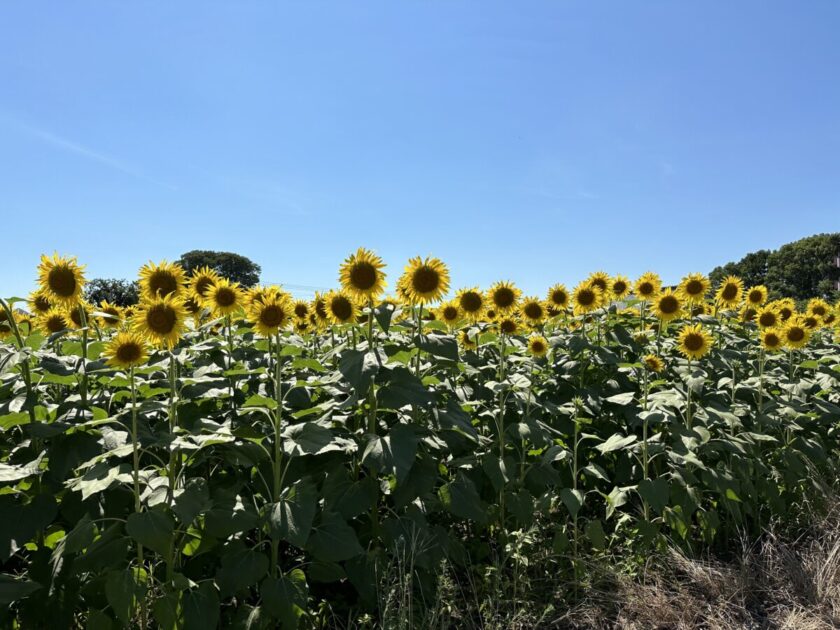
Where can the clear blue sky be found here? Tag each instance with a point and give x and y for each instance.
(533, 141)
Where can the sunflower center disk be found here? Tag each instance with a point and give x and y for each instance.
(363, 276)
(128, 352)
(425, 280)
(62, 281)
(162, 283)
(161, 320)
(693, 342)
(225, 297)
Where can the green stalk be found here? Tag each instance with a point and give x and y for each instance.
(173, 459)
(136, 470)
(419, 333)
(278, 451)
(645, 457)
(761, 359)
(501, 424)
(31, 399)
(84, 389)
(688, 417)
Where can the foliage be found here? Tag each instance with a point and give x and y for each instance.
(802, 269)
(115, 291)
(228, 265)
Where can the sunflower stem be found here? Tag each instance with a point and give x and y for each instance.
(31, 399)
(501, 426)
(278, 452)
(688, 418)
(645, 456)
(419, 334)
(84, 388)
(173, 460)
(136, 475)
(761, 359)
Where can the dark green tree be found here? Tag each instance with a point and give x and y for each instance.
(752, 269)
(232, 266)
(116, 291)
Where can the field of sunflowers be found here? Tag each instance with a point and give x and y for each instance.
(226, 457)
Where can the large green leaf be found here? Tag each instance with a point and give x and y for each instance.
(124, 589)
(240, 570)
(285, 598)
(359, 368)
(152, 529)
(333, 539)
(461, 499)
(291, 517)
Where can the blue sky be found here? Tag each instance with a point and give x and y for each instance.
(533, 141)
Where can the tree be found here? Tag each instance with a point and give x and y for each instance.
(232, 266)
(801, 270)
(115, 291)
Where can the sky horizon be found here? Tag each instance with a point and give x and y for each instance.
(534, 143)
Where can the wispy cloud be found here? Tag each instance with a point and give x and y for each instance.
(86, 152)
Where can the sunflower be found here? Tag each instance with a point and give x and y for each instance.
(471, 303)
(757, 295)
(5, 325)
(126, 349)
(39, 302)
(693, 341)
(361, 275)
(768, 316)
(193, 307)
(786, 308)
(693, 288)
(467, 342)
(201, 280)
(319, 309)
(601, 280)
(587, 298)
(748, 313)
(619, 287)
(667, 306)
(51, 322)
(24, 323)
(504, 297)
(653, 363)
(558, 297)
(224, 297)
(73, 316)
(490, 315)
(425, 280)
(159, 280)
(729, 292)
(449, 313)
(162, 321)
(818, 307)
(302, 326)
(61, 279)
(772, 339)
(533, 311)
(795, 333)
(301, 309)
(647, 286)
(112, 314)
(341, 308)
(537, 345)
(508, 325)
(811, 322)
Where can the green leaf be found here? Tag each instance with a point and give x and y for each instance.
(358, 368)
(595, 534)
(12, 589)
(285, 598)
(191, 501)
(239, 570)
(656, 492)
(10, 472)
(444, 346)
(615, 499)
(394, 452)
(311, 438)
(623, 399)
(291, 517)
(201, 607)
(461, 499)
(572, 499)
(403, 388)
(20, 522)
(152, 529)
(616, 442)
(334, 540)
(123, 590)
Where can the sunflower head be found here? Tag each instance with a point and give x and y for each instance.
(161, 321)
(748, 313)
(693, 288)
(111, 314)
(533, 311)
(471, 302)
(270, 315)
(467, 341)
(503, 297)
(224, 297)
(730, 291)
(39, 302)
(73, 316)
(162, 279)
(768, 316)
(424, 281)
(619, 287)
(694, 342)
(558, 297)
(341, 309)
(667, 306)
(772, 339)
(62, 279)
(301, 309)
(587, 298)
(653, 362)
(601, 280)
(647, 286)
(201, 280)
(537, 345)
(449, 313)
(126, 349)
(508, 324)
(795, 333)
(5, 325)
(757, 295)
(786, 308)
(361, 275)
(319, 308)
(818, 307)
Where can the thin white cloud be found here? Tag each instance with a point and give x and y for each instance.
(87, 152)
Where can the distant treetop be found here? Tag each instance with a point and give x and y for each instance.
(232, 266)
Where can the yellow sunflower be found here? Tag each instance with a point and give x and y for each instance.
(449, 313)
(653, 363)
(301, 309)
(51, 322)
(811, 322)
(818, 307)
(162, 279)
(5, 325)
(162, 320)
(729, 292)
(126, 349)
(693, 288)
(224, 297)
(508, 325)
(619, 287)
(361, 275)
(62, 280)
(341, 309)
(319, 308)
(425, 280)
(587, 298)
(533, 311)
(601, 280)
(757, 295)
(647, 286)
(748, 313)
(538, 345)
(667, 305)
(503, 297)
(558, 297)
(795, 333)
(471, 303)
(772, 339)
(112, 314)
(73, 316)
(694, 342)
(768, 316)
(467, 342)
(201, 280)
(786, 308)
(39, 302)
